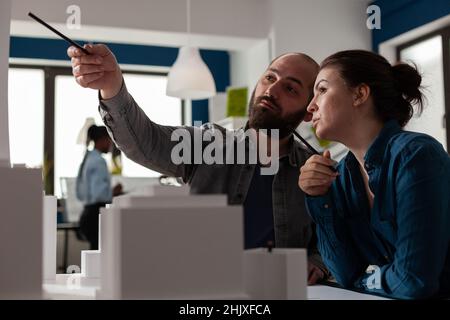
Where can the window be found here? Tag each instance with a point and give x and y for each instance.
(427, 55)
(26, 116)
(47, 109)
(431, 54)
(150, 93)
(74, 104)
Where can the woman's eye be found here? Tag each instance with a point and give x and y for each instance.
(322, 90)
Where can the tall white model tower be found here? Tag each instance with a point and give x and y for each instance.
(20, 200)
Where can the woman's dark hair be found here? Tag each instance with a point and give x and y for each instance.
(95, 133)
(394, 89)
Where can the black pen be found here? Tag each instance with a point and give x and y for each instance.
(310, 147)
(58, 33)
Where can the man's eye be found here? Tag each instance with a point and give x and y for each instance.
(269, 77)
(291, 89)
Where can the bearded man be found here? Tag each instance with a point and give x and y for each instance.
(274, 206)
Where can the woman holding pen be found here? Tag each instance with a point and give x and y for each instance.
(388, 208)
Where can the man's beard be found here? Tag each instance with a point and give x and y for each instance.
(264, 118)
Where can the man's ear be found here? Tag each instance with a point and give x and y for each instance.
(361, 94)
(308, 117)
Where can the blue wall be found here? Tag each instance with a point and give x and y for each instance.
(55, 49)
(400, 16)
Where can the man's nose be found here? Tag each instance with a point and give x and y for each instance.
(272, 90)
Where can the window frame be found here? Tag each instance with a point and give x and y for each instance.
(445, 38)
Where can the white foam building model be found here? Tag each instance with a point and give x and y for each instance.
(163, 243)
(21, 267)
(91, 262)
(279, 274)
(49, 237)
(21, 270)
(167, 244)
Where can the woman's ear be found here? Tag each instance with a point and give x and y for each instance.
(361, 94)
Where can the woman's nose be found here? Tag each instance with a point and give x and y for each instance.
(312, 106)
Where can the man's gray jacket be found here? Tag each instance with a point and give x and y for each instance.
(150, 145)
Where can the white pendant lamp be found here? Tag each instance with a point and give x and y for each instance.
(189, 77)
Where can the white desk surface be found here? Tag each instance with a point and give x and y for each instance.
(74, 287)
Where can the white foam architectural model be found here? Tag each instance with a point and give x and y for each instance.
(279, 274)
(21, 270)
(49, 237)
(91, 261)
(163, 243)
(21, 219)
(90, 264)
(167, 244)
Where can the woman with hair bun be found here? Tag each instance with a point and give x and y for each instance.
(383, 217)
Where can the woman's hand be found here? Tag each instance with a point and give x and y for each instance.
(316, 176)
(315, 274)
